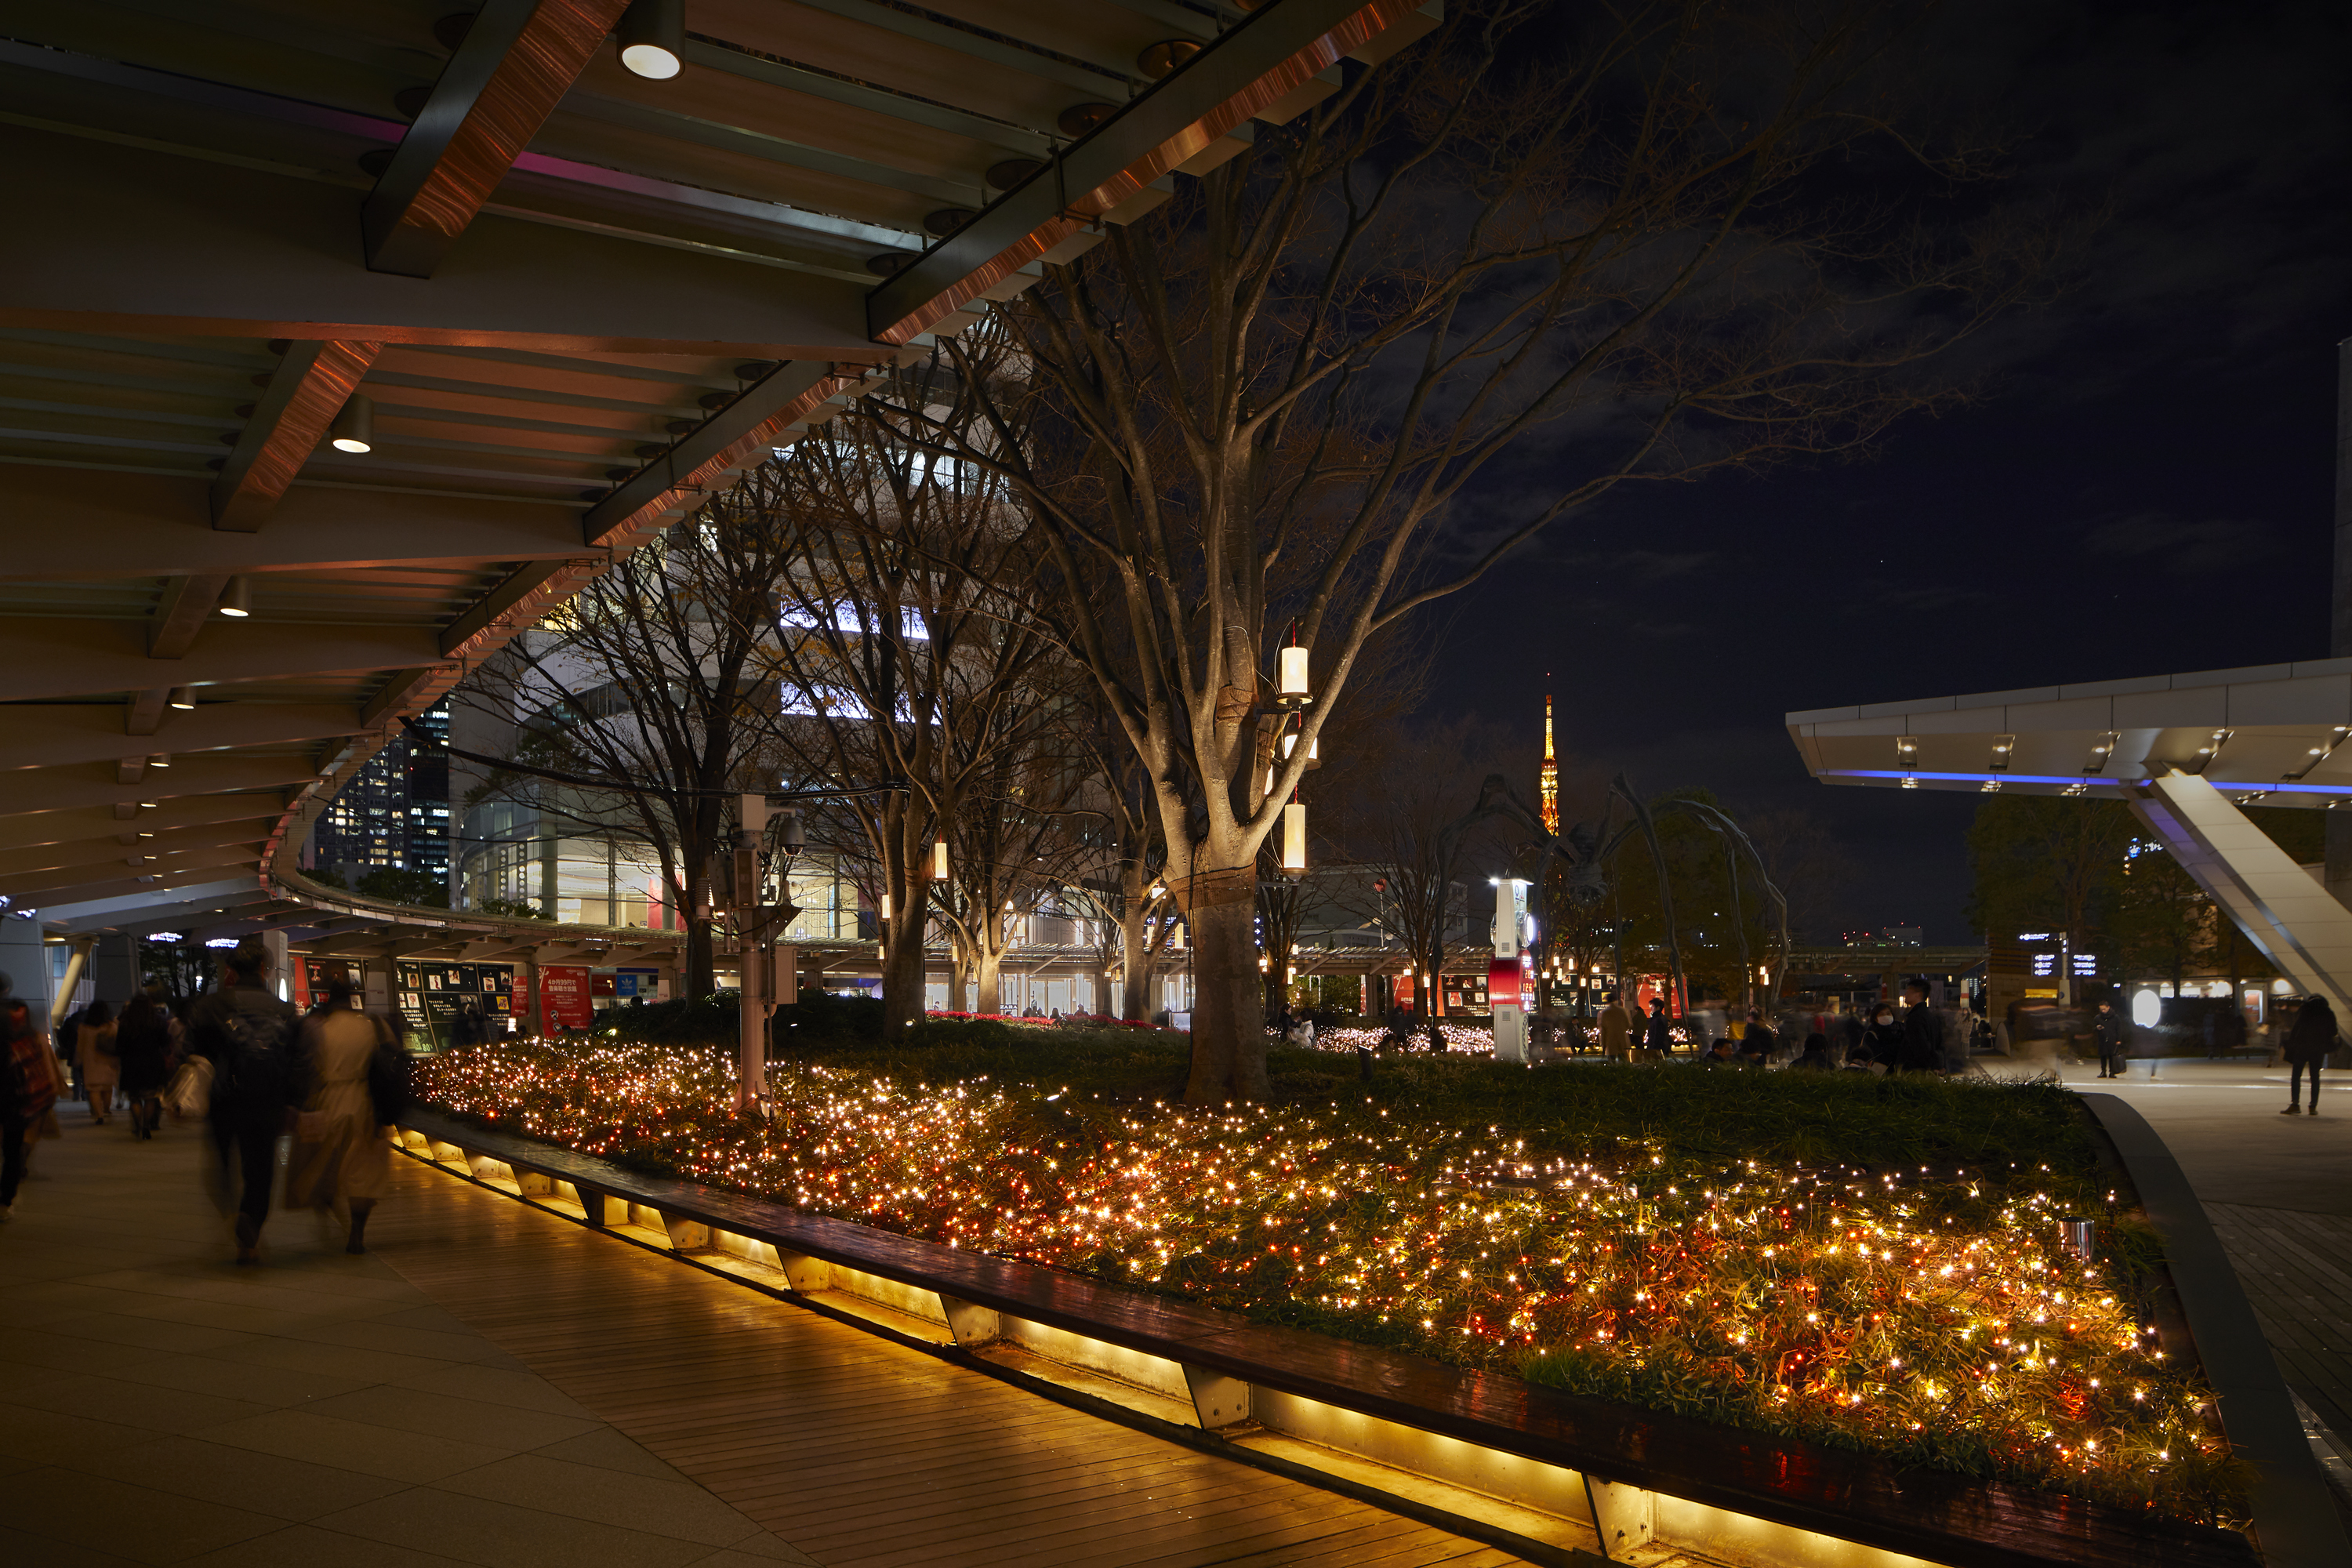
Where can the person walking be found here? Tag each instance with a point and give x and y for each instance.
(248, 1035)
(94, 1046)
(143, 1053)
(1658, 1031)
(1758, 1042)
(1616, 1031)
(2112, 1030)
(28, 1087)
(340, 1155)
(2307, 1044)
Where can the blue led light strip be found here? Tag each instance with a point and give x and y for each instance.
(2280, 788)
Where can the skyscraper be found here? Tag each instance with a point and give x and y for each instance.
(1550, 780)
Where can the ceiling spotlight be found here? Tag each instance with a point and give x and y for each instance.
(652, 38)
(354, 429)
(238, 603)
(183, 696)
(160, 760)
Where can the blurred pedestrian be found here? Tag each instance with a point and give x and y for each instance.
(28, 1089)
(2307, 1044)
(94, 1046)
(143, 1048)
(341, 1157)
(2111, 1030)
(1758, 1042)
(248, 1034)
(1816, 1054)
(1658, 1031)
(1923, 1031)
(1616, 1031)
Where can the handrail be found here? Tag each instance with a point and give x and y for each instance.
(1935, 1515)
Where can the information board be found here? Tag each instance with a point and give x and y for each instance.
(563, 997)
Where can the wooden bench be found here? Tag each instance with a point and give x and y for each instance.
(1630, 1481)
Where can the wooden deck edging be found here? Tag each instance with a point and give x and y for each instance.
(1625, 1453)
(2296, 1520)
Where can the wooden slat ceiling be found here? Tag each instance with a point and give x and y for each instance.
(572, 297)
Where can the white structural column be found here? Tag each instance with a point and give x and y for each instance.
(2283, 909)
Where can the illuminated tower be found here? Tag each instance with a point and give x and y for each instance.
(1550, 777)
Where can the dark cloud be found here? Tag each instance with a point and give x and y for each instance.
(2185, 549)
(2145, 487)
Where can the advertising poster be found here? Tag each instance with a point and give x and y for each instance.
(563, 997)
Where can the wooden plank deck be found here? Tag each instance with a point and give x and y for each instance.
(2297, 1271)
(857, 1451)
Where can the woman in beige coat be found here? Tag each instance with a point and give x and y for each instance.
(341, 1157)
(102, 1069)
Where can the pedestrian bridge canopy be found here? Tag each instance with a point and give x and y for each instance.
(2184, 752)
(339, 343)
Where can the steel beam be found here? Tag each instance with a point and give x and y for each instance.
(518, 61)
(140, 911)
(65, 789)
(58, 734)
(2284, 910)
(100, 879)
(308, 388)
(133, 242)
(1276, 51)
(180, 614)
(157, 526)
(741, 434)
(96, 849)
(66, 657)
(89, 823)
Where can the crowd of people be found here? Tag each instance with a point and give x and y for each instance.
(271, 1085)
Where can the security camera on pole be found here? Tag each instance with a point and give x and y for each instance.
(741, 879)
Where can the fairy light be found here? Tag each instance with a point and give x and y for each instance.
(1872, 1311)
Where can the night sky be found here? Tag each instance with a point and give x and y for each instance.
(2145, 488)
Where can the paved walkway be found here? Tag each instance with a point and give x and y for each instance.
(492, 1386)
(2279, 1191)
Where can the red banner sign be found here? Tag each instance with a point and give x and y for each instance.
(1503, 983)
(563, 997)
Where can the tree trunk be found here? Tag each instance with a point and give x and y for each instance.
(992, 977)
(1228, 1029)
(903, 975)
(701, 970)
(959, 972)
(1134, 943)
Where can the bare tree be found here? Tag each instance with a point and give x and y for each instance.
(1622, 240)
(910, 653)
(633, 713)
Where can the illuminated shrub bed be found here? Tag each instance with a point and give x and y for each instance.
(1602, 1234)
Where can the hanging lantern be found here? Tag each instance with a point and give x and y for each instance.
(1290, 689)
(885, 906)
(940, 860)
(1293, 839)
(1290, 744)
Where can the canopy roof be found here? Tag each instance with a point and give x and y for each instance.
(2272, 734)
(575, 299)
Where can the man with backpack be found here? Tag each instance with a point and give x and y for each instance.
(248, 1035)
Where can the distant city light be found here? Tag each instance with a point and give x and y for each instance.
(165, 936)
